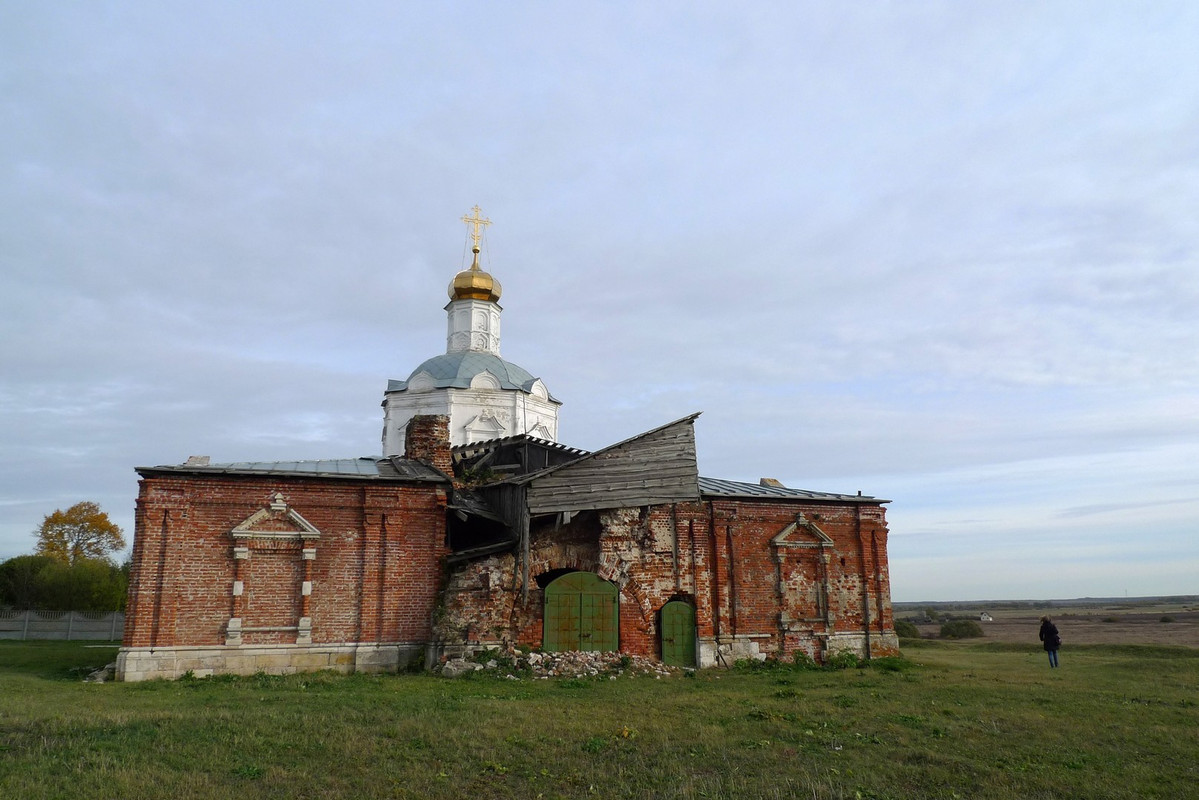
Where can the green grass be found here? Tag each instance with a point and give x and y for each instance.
(968, 720)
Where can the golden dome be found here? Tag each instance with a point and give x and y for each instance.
(475, 284)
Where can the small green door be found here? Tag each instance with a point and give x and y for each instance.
(580, 614)
(678, 634)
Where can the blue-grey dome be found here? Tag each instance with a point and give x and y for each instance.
(457, 370)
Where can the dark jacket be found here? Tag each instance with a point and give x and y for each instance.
(1049, 636)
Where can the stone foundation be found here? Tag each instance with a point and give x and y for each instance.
(144, 663)
(881, 644)
(723, 651)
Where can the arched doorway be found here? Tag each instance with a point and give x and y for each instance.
(677, 630)
(580, 614)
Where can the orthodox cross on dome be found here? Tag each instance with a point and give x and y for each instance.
(478, 222)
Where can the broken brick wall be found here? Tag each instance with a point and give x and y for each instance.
(427, 439)
(822, 587)
(483, 601)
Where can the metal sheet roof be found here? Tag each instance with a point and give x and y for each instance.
(457, 370)
(358, 468)
(717, 487)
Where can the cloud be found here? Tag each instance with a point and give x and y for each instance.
(944, 254)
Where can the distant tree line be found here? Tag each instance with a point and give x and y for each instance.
(954, 628)
(44, 583)
(933, 615)
(71, 568)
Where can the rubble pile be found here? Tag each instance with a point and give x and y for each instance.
(570, 664)
(103, 674)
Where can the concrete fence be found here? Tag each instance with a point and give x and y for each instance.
(70, 625)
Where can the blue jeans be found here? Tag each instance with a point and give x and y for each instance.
(1052, 658)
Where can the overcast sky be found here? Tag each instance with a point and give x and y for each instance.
(943, 253)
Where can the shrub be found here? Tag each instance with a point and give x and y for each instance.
(804, 661)
(961, 629)
(844, 660)
(1167, 618)
(906, 630)
(758, 665)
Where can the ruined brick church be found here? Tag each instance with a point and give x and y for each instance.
(475, 528)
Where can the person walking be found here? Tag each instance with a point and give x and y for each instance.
(1052, 640)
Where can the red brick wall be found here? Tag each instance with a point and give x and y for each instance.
(374, 578)
(378, 568)
(745, 598)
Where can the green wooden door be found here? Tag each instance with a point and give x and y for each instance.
(580, 614)
(678, 634)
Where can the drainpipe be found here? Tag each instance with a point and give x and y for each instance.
(674, 539)
(694, 559)
(160, 578)
(865, 579)
(715, 576)
(714, 572)
(728, 534)
(826, 589)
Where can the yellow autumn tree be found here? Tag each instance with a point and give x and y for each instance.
(82, 531)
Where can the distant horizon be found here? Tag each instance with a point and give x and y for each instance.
(1099, 599)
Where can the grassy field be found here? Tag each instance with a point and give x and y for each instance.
(949, 720)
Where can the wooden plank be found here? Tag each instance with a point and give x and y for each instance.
(656, 468)
(662, 477)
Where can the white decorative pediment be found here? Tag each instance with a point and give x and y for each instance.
(485, 380)
(276, 521)
(541, 431)
(801, 533)
(420, 382)
(485, 425)
(538, 390)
